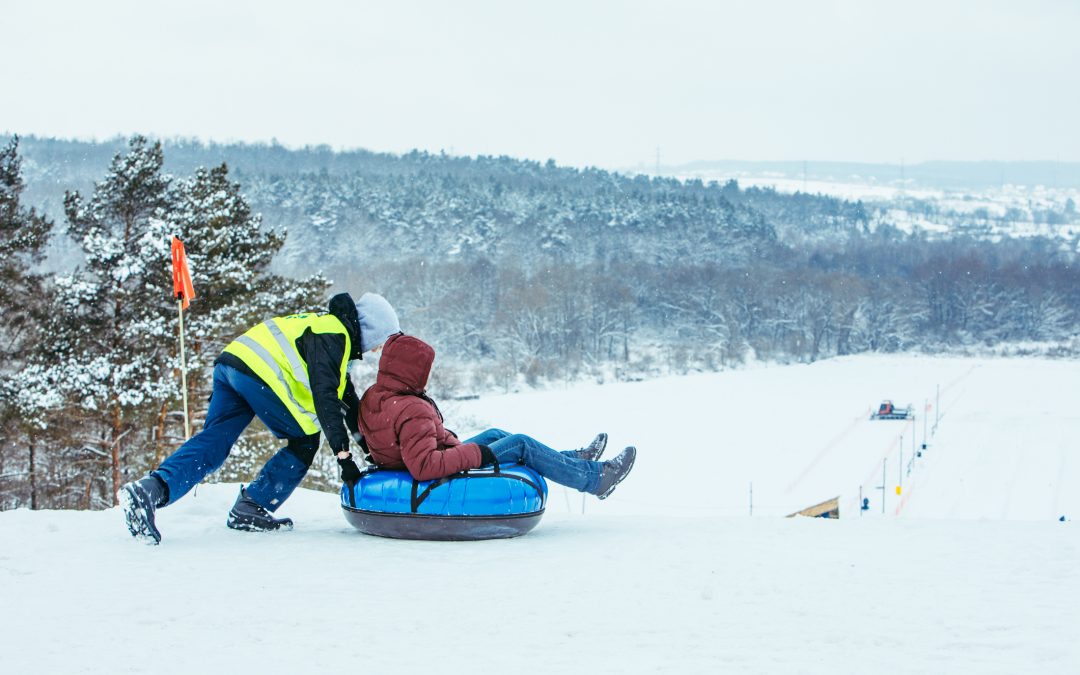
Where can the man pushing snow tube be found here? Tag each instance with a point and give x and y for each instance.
(292, 373)
(492, 503)
(403, 431)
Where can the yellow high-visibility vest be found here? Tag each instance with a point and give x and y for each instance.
(269, 349)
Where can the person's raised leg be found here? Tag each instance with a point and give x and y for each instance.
(580, 474)
(592, 452)
(614, 471)
(488, 437)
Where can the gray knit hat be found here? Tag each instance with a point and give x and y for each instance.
(378, 320)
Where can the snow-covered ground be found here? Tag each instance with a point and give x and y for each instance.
(968, 571)
(1007, 444)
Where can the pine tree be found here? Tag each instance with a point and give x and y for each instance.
(103, 390)
(23, 235)
(230, 257)
(114, 324)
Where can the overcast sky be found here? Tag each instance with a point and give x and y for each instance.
(585, 83)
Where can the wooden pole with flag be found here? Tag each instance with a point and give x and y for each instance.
(183, 291)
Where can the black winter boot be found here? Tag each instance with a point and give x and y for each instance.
(615, 471)
(139, 499)
(248, 516)
(592, 451)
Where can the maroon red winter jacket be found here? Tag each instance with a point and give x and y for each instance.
(404, 430)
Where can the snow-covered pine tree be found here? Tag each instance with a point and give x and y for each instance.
(112, 333)
(104, 386)
(23, 235)
(230, 258)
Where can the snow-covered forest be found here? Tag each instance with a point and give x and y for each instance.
(95, 346)
(520, 272)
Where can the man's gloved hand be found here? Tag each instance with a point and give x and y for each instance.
(487, 456)
(350, 473)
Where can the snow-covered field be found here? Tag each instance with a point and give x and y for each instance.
(968, 570)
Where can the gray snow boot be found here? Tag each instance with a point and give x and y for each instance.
(249, 516)
(594, 450)
(139, 500)
(615, 471)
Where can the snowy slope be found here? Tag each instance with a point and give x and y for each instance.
(1006, 446)
(596, 594)
(669, 575)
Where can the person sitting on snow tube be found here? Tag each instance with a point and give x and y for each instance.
(404, 429)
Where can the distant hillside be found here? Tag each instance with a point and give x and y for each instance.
(938, 174)
(359, 207)
(552, 271)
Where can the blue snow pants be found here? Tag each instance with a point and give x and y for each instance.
(238, 398)
(563, 467)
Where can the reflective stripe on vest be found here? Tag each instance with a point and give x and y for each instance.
(269, 349)
(299, 368)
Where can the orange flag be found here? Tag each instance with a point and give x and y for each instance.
(181, 275)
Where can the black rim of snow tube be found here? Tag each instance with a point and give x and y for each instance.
(441, 528)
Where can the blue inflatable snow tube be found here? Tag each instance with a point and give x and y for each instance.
(488, 503)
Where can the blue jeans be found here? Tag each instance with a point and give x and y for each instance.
(236, 400)
(563, 467)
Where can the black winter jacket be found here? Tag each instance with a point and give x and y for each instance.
(322, 352)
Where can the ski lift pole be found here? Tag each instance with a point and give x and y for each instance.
(183, 371)
(914, 452)
(900, 467)
(883, 484)
(937, 410)
(925, 417)
(183, 291)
